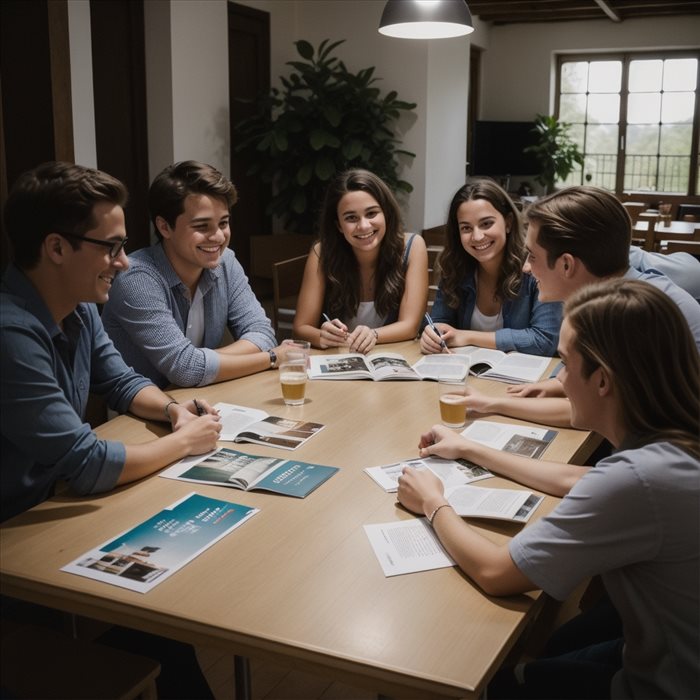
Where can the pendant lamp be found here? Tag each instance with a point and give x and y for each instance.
(426, 19)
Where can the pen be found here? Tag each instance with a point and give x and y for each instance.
(443, 344)
(325, 315)
(198, 408)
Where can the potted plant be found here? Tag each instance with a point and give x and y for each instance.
(556, 151)
(324, 119)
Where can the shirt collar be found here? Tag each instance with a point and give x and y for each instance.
(206, 281)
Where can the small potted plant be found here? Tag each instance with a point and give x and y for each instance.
(556, 152)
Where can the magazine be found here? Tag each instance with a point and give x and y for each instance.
(146, 555)
(524, 440)
(513, 367)
(436, 366)
(378, 367)
(225, 467)
(243, 424)
(501, 504)
(450, 472)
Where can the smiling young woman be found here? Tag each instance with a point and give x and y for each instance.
(484, 298)
(366, 281)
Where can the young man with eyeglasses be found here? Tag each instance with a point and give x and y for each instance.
(66, 226)
(168, 315)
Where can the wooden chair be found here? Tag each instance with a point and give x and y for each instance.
(435, 236)
(286, 281)
(692, 247)
(634, 209)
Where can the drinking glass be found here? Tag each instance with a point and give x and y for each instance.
(293, 382)
(451, 394)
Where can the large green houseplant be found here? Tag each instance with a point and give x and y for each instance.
(324, 119)
(555, 151)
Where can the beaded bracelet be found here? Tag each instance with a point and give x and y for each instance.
(167, 406)
(376, 335)
(431, 517)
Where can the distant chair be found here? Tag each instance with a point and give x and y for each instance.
(435, 236)
(286, 281)
(692, 247)
(634, 209)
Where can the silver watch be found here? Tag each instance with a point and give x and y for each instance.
(273, 359)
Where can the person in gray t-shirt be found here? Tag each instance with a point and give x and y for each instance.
(632, 373)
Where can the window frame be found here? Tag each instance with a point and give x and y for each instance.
(626, 57)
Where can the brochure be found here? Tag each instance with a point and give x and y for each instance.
(435, 366)
(407, 546)
(513, 367)
(451, 472)
(377, 367)
(143, 557)
(243, 424)
(501, 504)
(225, 467)
(524, 440)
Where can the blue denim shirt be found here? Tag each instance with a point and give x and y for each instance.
(529, 325)
(47, 374)
(147, 311)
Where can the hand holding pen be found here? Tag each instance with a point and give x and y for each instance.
(436, 331)
(333, 333)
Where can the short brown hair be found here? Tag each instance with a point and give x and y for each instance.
(588, 223)
(170, 188)
(55, 197)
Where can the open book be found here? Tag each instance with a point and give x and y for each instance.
(512, 367)
(225, 467)
(524, 440)
(502, 504)
(378, 367)
(243, 424)
(450, 472)
(142, 557)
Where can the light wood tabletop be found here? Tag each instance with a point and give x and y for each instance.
(298, 583)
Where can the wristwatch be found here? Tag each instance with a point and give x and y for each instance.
(273, 359)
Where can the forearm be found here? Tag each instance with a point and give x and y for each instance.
(546, 410)
(150, 404)
(398, 331)
(234, 366)
(481, 339)
(239, 347)
(555, 478)
(306, 331)
(488, 564)
(149, 457)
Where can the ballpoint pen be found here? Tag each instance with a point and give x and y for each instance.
(198, 408)
(443, 344)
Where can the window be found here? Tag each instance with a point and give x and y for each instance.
(635, 118)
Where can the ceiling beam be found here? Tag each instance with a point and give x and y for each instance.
(614, 16)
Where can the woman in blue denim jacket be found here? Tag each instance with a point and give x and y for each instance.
(484, 298)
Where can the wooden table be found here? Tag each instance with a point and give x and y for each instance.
(299, 583)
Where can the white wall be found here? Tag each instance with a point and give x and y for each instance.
(434, 74)
(520, 57)
(82, 94)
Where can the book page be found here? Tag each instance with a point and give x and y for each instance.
(235, 418)
(279, 432)
(349, 366)
(480, 359)
(524, 440)
(407, 546)
(518, 367)
(146, 555)
(450, 472)
(480, 502)
(390, 366)
(223, 466)
(435, 366)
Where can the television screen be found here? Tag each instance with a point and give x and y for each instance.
(498, 149)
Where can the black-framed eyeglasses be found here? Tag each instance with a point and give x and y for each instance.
(115, 247)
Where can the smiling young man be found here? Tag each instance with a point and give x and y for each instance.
(576, 236)
(66, 226)
(169, 313)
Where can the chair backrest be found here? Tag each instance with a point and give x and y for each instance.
(435, 236)
(692, 247)
(286, 281)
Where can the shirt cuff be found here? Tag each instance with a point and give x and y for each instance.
(212, 362)
(113, 466)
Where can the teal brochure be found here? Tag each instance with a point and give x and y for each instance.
(143, 557)
(227, 467)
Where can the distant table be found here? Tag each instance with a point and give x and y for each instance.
(675, 227)
(299, 583)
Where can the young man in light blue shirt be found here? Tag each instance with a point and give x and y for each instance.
(168, 314)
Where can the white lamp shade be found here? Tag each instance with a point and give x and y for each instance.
(425, 19)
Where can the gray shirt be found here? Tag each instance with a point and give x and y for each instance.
(635, 519)
(681, 268)
(146, 317)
